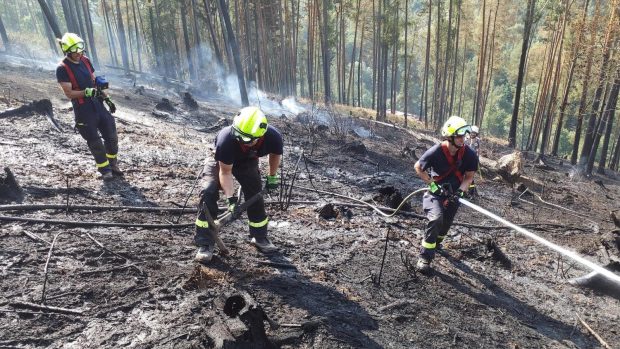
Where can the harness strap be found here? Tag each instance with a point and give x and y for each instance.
(74, 83)
(452, 163)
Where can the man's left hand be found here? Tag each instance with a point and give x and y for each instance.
(110, 104)
(272, 182)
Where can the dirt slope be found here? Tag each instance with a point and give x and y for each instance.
(139, 288)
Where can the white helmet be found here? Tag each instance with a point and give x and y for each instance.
(475, 129)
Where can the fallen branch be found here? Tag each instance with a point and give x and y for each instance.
(95, 223)
(600, 340)
(48, 308)
(37, 207)
(35, 238)
(49, 256)
(395, 305)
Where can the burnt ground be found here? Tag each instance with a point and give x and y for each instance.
(130, 287)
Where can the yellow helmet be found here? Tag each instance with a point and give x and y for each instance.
(71, 43)
(455, 126)
(250, 123)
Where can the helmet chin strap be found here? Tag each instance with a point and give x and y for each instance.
(451, 141)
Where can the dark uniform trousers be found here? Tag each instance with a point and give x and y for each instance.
(440, 213)
(248, 176)
(92, 119)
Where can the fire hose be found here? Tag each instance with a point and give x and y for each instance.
(570, 254)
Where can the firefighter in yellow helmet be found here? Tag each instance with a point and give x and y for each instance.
(237, 149)
(448, 168)
(76, 76)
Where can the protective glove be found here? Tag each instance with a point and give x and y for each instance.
(232, 203)
(272, 182)
(110, 104)
(92, 92)
(435, 189)
(462, 194)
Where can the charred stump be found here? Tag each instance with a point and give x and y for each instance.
(41, 107)
(253, 317)
(9, 188)
(189, 101)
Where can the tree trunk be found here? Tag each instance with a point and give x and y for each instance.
(569, 80)
(232, 42)
(5, 37)
(610, 114)
(351, 69)
(456, 55)
(214, 42)
(51, 20)
(426, 66)
(589, 140)
(406, 73)
(110, 36)
(326, 52)
(154, 40)
(585, 85)
(121, 37)
(90, 32)
(137, 36)
(188, 46)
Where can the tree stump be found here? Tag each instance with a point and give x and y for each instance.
(9, 188)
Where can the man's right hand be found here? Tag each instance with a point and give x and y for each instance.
(232, 203)
(435, 189)
(91, 92)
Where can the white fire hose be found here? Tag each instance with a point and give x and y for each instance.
(570, 254)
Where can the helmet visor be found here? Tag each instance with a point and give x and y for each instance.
(462, 131)
(77, 47)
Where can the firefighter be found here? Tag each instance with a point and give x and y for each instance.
(448, 168)
(237, 149)
(473, 139)
(75, 74)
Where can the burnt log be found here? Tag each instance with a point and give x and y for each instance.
(41, 107)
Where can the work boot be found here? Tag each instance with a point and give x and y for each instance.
(204, 254)
(107, 175)
(264, 245)
(114, 167)
(423, 265)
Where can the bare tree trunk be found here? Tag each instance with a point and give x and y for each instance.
(444, 80)
(137, 36)
(235, 51)
(110, 36)
(529, 16)
(5, 37)
(90, 31)
(154, 40)
(609, 38)
(351, 75)
(121, 37)
(436, 75)
(585, 84)
(359, 67)
(456, 55)
(188, 48)
(406, 74)
(214, 42)
(426, 66)
(49, 16)
(609, 115)
(481, 64)
(326, 52)
(569, 80)
(556, 82)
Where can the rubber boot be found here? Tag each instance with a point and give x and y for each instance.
(114, 167)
